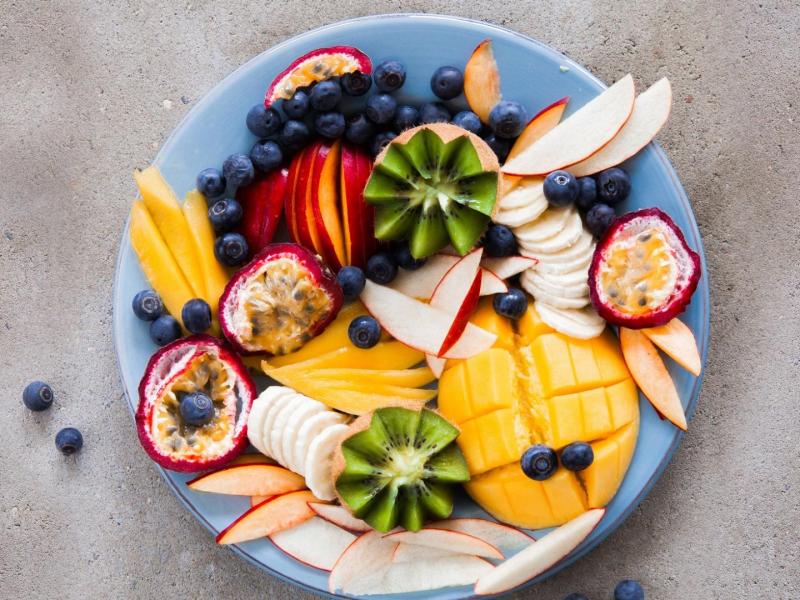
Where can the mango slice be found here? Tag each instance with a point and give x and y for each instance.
(412, 378)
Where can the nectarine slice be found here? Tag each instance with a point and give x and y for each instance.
(293, 194)
(273, 515)
(307, 224)
(249, 480)
(482, 81)
(677, 341)
(358, 217)
(325, 204)
(258, 499)
(651, 375)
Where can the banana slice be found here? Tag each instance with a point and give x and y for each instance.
(571, 279)
(318, 462)
(517, 217)
(549, 224)
(259, 412)
(575, 264)
(267, 439)
(554, 300)
(551, 285)
(526, 193)
(306, 434)
(278, 430)
(306, 409)
(583, 324)
(582, 246)
(571, 233)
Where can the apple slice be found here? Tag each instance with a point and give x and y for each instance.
(509, 540)
(651, 375)
(262, 204)
(457, 293)
(368, 554)
(339, 515)
(539, 557)
(421, 283)
(677, 341)
(582, 134)
(444, 539)
(650, 112)
(401, 317)
(508, 266)
(249, 480)
(436, 365)
(325, 205)
(482, 81)
(415, 552)
(316, 542)
(358, 216)
(273, 515)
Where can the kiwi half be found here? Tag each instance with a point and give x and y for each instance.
(397, 465)
(433, 185)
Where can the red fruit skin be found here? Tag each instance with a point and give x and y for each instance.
(262, 204)
(292, 186)
(674, 305)
(153, 381)
(322, 276)
(356, 168)
(363, 61)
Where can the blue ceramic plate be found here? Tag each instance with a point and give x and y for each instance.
(531, 73)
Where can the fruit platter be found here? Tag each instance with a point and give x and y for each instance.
(402, 317)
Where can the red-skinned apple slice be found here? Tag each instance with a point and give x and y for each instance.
(421, 283)
(368, 554)
(249, 480)
(457, 293)
(508, 266)
(539, 557)
(650, 111)
(580, 135)
(316, 542)
(444, 539)
(324, 201)
(358, 217)
(482, 81)
(509, 540)
(262, 204)
(401, 316)
(340, 516)
(273, 515)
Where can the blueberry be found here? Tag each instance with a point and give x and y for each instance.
(210, 183)
(381, 268)
(628, 589)
(231, 249)
(356, 83)
(434, 112)
(500, 146)
(508, 119)
(511, 304)
(197, 409)
(69, 440)
(147, 305)
(468, 120)
(381, 108)
(406, 117)
(294, 135)
(447, 82)
(351, 280)
(403, 258)
(539, 462)
(225, 214)
(266, 156)
(238, 170)
(499, 241)
(164, 330)
(389, 76)
(576, 596)
(577, 456)
(599, 219)
(326, 95)
(587, 193)
(330, 124)
(613, 185)
(560, 188)
(37, 396)
(364, 332)
(297, 106)
(359, 129)
(196, 315)
(381, 141)
(262, 121)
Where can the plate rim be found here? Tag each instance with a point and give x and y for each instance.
(704, 296)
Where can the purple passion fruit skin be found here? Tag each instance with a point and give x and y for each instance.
(284, 297)
(643, 273)
(198, 363)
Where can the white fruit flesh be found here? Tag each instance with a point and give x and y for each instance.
(422, 282)
(582, 323)
(318, 462)
(444, 539)
(412, 552)
(509, 540)
(517, 217)
(528, 192)
(316, 542)
(368, 554)
(306, 434)
(569, 234)
(268, 436)
(262, 407)
(304, 409)
(339, 515)
(508, 266)
(547, 225)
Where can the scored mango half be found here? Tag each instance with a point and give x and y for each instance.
(547, 389)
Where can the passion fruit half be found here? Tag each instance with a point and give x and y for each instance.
(643, 273)
(282, 299)
(195, 365)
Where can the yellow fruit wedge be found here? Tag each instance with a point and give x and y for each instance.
(410, 378)
(166, 211)
(677, 341)
(384, 355)
(157, 262)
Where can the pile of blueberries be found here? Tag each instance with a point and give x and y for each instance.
(38, 396)
(164, 328)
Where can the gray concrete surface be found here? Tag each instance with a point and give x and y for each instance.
(83, 87)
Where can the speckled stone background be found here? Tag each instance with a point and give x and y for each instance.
(88, 90)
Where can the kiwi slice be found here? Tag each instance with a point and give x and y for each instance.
(433, 185)
(398, 465)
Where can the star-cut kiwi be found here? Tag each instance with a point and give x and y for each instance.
(397, 465)
(434, 184)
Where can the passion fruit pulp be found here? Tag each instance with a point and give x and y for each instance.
(643, 272)
(279, 301)
(195, 364)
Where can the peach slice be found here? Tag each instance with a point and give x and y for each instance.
(258, 499)
(358, 217)
(339, 515)
(252, 458)
(677, 341)
(651, 375)
(307, 223)
(249, 480)
(273, 515)
(325, 205)
(482, 81)
(291, 205)
(444, 539)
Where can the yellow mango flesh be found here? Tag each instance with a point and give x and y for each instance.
(384, 355)
(166, 211)
(157, 262)
(412, 378)
(550, 389)
(487, 318)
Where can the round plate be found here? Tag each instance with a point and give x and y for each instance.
(532, 73)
